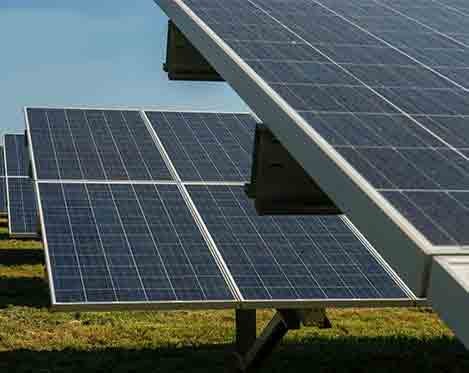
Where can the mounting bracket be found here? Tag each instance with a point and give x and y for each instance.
(184, 61)
(252, 351)
(279, 184)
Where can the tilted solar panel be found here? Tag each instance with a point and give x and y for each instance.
(16, 156)
(126, 243)
(290, 257)
(78, 144)
(162, 243)
(20, 195)
(369, 96)
(3, 200)
(207, 146)
(22, 210)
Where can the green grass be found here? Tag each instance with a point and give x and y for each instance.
(32, 339)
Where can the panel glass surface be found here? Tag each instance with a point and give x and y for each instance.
(22, 210)
(3, 195)
(2, 162)
(290, 257)
(17, 158)
(126, 243)
(384, 82)
(207, 146)
(94, 145)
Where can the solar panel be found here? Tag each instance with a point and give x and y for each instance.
(73, 144)
(160, 243)
(370, 97)
(22, 210)
(3, 201)
(20, 195)
(207, 146)
(126, 243)
(290, 257)
(16, 157)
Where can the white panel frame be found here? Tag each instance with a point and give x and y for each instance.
(449, 293)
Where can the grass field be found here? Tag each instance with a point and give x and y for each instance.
(32, 339)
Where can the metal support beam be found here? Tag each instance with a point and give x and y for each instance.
(183, 61)
(279, 185)
(261, 349)
(245, 330)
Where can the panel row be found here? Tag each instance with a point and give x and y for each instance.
(140, 243)
(143, 242)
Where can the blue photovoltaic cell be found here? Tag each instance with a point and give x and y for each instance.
(385, 82)
(94, 145)
(3, 200)
(290, 257)
(126, 242)
(21, 199)
(2, 162)
(207, 146)
(22, 211)
(17, 158)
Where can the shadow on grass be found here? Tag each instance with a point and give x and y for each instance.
(21, 256)
(4, 236)
(23, 291)
(345, 354)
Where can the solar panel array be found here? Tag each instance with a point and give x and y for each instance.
(183, 233)
(369, 96)
(20, 194)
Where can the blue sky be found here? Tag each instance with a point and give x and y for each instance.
(92, 53)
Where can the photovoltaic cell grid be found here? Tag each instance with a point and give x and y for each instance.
(16, 159)
(207, 146)
(138, 242)
(384, 82)
(290, 257)
(3, 200)
(22, 210)
(126, 243)
(93, 145)
(21, 199)
(269, 258)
